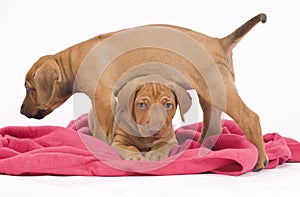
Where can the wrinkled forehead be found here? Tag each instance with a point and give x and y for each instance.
(31, 72)
(154, 90)
(29, 79)
(30, 75)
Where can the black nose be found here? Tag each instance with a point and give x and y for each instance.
(22, 110)
(25, 112)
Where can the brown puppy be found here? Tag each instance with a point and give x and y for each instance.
(83, 68)
(143, 117)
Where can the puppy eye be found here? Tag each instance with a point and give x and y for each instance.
(28, 90)
(142, 105)
(168, 106)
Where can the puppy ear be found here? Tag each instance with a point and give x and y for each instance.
(131, 103)
(45, 79)
(184, 100)
(124, 116)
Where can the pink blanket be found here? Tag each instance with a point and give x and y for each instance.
(51, 150)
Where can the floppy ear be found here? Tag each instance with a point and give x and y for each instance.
(131, 103)
(126, 98)
(45, 79)
(184, 100)
(124, 117)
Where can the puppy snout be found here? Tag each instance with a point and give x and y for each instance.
(158, 116)
(22, 109)
(154, 129)
(33, 113)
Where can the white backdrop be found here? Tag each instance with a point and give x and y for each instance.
(266, 61)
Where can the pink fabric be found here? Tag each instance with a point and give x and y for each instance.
(51, 150)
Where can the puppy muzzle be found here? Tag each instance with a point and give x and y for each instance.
(158, 115)
(36, 114)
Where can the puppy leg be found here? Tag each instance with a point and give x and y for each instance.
(161, 150)
(99, 131)
(102, 114)
(130, 153)
(126, 152)
(211, 120)
(248, 122)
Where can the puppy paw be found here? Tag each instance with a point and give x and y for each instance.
(135, 158)
(156, 155)
(261, 164)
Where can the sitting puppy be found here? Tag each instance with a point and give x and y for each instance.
(144, 118)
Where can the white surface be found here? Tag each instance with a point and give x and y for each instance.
(267, 75)
(276, 183)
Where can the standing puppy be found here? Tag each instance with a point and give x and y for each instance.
(144, 113)
(93, 67)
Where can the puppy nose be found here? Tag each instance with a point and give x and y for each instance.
(22, 109)
(155, 129)
(157, 115)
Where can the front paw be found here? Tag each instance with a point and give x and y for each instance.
(135, 157)
(156, 155)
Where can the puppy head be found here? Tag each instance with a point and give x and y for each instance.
(44, 89)
(147, 105)
(153, 108)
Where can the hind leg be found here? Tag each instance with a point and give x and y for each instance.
(233, 105)
(250, 124)
(247, 120)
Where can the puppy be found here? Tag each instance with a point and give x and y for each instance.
(144, 119)
(93, 67)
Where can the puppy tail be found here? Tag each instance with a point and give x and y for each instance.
(230, 41)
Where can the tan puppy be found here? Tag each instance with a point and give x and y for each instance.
(54, 78)
(143, 117)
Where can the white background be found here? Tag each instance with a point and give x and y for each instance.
(266, 63)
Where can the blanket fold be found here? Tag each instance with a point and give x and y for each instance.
(52, 150)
